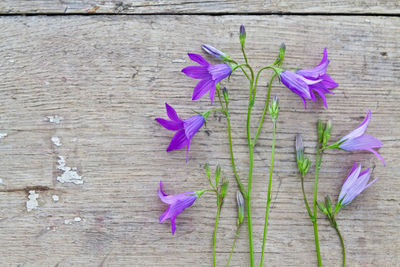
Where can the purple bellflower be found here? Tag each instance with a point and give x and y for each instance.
(186, 129)
(177, 203)
(306, 82)
(208, 74)
(358, 140)
(355, 183)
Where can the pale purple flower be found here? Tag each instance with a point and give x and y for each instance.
(306, 82)
(186, 129)
(355, 183)
(177, 203)
(209, 74)
(214, 51)
(358, 140)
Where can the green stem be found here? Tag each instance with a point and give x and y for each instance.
(233, 246)
(228, 120)
(265, 110)
(314, 219)
(215, 231)
(341, 242)
(305, 198)
(248, 206)
(269, 192)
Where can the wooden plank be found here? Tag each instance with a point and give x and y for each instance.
(201, 6)
(108, 78)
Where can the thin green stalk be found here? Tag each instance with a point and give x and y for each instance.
(314, 219)
(233, 246)
(341, 242)
(228, 120)
(265, 110)
(248, 206)
(271, 170)
(305, 198)
(215, 231)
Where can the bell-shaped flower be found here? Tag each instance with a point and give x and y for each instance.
(358, 140)
(177, 203)
(306, 82)
(355, 183)
(186, 129)
(208, 74)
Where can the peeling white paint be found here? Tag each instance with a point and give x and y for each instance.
(32, 203)
(56, 141)
(70, 175)
(1, 181)
(77, 219)
(54, 119)
(55, 198)
(67, 221)
(178, 61)
(2, 135)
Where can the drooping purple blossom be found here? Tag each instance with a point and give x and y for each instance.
(177, 203)
(186, 129)
(358, 140)
(355, 183)
(306, 82)
(208, 74)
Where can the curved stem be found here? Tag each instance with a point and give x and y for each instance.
(271, 170)
(342, 243)
(233, 246)
(258, 75)
(305, 198)
(265, 110)
(314, 219)
(215, 231)
(228, 120)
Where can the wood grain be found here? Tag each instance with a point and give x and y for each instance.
(109, 76)
(201, 6)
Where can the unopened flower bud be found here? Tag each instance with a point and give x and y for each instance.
(226, 96)
(320, 131)
(328, 204)
(242, 36)
(327, 133)
(281, 56)
(217, 174)
(224, 189)
(322, 208)
(240, 204)
(299, 149)
(273, 109)
(215, 52)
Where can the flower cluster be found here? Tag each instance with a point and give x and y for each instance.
(305, 83)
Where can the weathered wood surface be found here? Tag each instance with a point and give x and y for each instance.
(108, 77)
(201, 6)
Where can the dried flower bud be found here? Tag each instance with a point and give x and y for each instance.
(281, 56)
(240, 204)
(242, 35)
(299, 149)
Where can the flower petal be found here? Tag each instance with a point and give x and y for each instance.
(364, 142)
(165, 215)
(161, 190)
(360, 130)
(170, 125)
(328, 82)
(318, 71)
(198, 58)
(171, 113)
(202, 87)
(192, 125)
(178, 141)
(295, 83)
(196, 72)
(219, 71)
(377, 154)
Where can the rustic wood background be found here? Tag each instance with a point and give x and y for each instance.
(107, 67)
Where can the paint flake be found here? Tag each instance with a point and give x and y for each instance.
(70, 175)
(1, 181)
(54, 119)
(2, 135)
(32, 203)
(55, 198)
(77, 219)
(56, 141)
